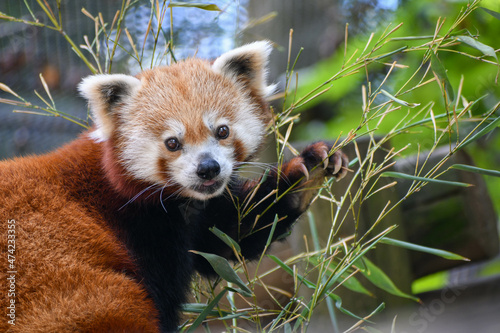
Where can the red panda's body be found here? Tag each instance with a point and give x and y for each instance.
(103, 226)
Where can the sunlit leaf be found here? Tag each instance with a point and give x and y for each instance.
(420, 248)
(399, 101)
(204, 6)
(491, 12)
(422, 179)
(487, 172)
(440, 71)
(485, 49)
(221, 266)
(376, 276)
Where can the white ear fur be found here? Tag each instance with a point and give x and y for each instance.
(247, 63)
(104, 92)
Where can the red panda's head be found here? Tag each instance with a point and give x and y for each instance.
(183, 127)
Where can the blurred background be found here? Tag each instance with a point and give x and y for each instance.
(456, 297)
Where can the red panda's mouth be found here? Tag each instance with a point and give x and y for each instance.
(209, 183)
(209, 186)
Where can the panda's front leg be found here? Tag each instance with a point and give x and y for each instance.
(286, 198)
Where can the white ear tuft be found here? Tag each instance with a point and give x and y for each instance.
(247, 64)
(105, 92)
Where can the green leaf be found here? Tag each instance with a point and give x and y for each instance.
(485, 130)
(420, 248)
(235, 315)
(430, 282)
(225, 238)
(440, 72)
(485, 49)
(399, 101)
(338, 305)
(491, 12)
(351, 283)
(204, 6)
(487, 172)
(422, 179)
(221, 266)
(199, 307)
(376, 276)
(287, 269)
(273, 228)
(206, 311)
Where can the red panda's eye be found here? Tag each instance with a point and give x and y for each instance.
(172, 144)
(222, 132)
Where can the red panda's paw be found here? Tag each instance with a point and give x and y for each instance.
(316, 161)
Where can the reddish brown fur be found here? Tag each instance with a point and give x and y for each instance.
(59, 232)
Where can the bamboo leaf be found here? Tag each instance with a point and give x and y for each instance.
(350, 283)
(338, 305)
(226, 239)
(485, 130)
(235, 315)
(376, 276)
(487, 172)
(353, 284)
(273, 228)
(199, 307)
(420, 248)
(422, 179)
(221, 266)
(287, 269)
(440, 72)
(485, 49)
(204, 6)
(399, 101)
(206, 311)
(491, 12)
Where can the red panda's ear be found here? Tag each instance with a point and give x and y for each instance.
(247, 64)
(107, 95)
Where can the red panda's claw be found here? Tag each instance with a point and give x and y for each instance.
(341, 166)
(324, 158)
(337, 164)
(303, 168)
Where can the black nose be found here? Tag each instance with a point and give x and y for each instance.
(208, 169)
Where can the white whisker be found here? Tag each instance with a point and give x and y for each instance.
(138, 195)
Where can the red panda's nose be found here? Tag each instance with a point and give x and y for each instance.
(208, 169)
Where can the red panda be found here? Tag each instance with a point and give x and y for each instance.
(103, 227)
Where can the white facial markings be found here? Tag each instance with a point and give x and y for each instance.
(184, 169)
(140, 155)
(247, 127)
